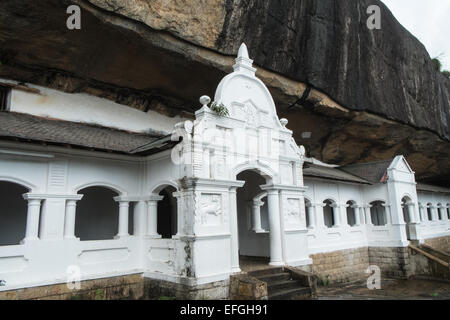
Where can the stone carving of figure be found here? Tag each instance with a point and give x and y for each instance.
(211, 205)
(293, 209)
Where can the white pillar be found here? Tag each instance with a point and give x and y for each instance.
(368, 215)
(123, 219)
(309, 212)
(69, 222)
(421, 212)
(180, 214)
(276, 255)
(434, 213)
(336, 216)
(357, 215)
(34, 209)
(256, 214)
(343, 214)
(234, 232)
(387, 210)
(320, 221)
(410, 210)
(152, 216)
(140, 218)
(362, 214)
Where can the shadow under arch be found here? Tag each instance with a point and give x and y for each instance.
(13, 212)
(167, 210)
(97, 215)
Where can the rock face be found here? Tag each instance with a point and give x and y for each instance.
(351, 94)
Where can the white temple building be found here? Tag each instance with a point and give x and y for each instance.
(84, 185)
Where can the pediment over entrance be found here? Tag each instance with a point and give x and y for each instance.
(218, 143)
(247, 97)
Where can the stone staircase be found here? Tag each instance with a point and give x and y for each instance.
(285, 283)
(430, 263)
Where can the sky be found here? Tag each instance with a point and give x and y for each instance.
(428, 21)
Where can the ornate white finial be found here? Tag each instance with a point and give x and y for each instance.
(243, 63)
(205, 100)
(243, 51)
(284, 122)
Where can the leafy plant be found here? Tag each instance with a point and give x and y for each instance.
(220, 109)
(438, 66)
(99, 294)
(437, 63)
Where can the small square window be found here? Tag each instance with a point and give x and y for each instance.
(5, 96)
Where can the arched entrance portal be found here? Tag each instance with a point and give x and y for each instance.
(253, 221)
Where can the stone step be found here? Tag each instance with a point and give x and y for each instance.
(264, 272)
(283, 285)
(289, 294)
(270, 278)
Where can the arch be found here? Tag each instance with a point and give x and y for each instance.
(260, 196)
(378, 213)
(255, 166)
(13, 213)
(329, 213)
(408, 196)
(167, 212)
(97, 215)
(29, 186)
(351, 213)
(113, 187)
(160, 186)
(404, 206)
(251, 241)
(331, 199)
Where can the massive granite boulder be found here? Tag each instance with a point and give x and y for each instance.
(351, 94)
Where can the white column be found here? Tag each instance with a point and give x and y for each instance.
(32, 228)
(256, 215)
(410, 210)
(421, 212)
(343, 214)
(69, 222)
(387, 210)
(180, 214)
(434, 213)
(320, 221)
(336, 216)
(367, 215)
(123, 219)
(234, 232)
(140, 218)
(152, 216)
(357, 215)
(362, 214)
(276, 257)
(311, 218)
